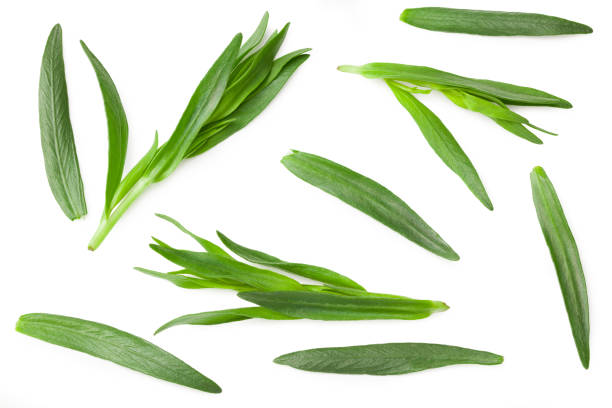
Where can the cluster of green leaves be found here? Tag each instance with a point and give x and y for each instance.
(490, 98)
(237, 88)
(486, 22)
(277, 296)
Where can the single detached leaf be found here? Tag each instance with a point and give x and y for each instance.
(425, 76)
(385, 359)
(566, 258)
(484, 22)
(117, 128)
(225, 316)
(369, 197)
(443, 143)
(56, 136)
(206, 266)
(111, 344)
(316, 273)
(206, 244)
(324, 306)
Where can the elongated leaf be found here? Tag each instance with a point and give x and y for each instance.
(206, 244)
(135, 173)
(111, 344)
(206, 266)
(225, 316)
(249, 109)
(480, 105)
(519, 130)
(201, 106)
(566, 258)
(117, 128)
(443, 143)
(324, 306)
(280, 63)
(255, 38)
(316, 273)
(385, 359)
(56, 136)
(369, 197)
(180, 279)
(484, 22)
(507, 93)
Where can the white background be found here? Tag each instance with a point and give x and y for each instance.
(503, 294)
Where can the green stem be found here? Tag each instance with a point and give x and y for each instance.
(107, 223)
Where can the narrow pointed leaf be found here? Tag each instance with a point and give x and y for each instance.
(480, 105)
(280, 63)
(117, 128)
(255, 38)
(369, 197)
(207, 265)
(485, 22)
(324, 306)
(114, 345)
(385, 359)
(181, 280)
(206, 244)
(566, 258)
(316, 273)
(225, 316)
(56, 136)
(508, 93)
(519, 130)
(443, 143)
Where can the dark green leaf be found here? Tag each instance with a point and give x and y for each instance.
(57, 139)
(443, 143)
(369, 197)
(316, 273)
(418, 75)
(325, 306)
(206, 266)
(385, 359)
(225, 316)
(255, 38)
(519, 130)
(108, 343)
(483, 22)
(566, 258)
(117, 128)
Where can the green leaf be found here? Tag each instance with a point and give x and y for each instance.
(369, 197)
(117, 128)
(255, 38)
(280, 63)
(225, 316)
(385, 359)
(180, 279)
(249, 109)
(135, 173)
(443, 143)
(111, 344)
(325, 306)
(207, 266)
(519, 130)
(484, 22)
(481, 105)
(206, 244)
(56, 136)
(417, 75)
(316, 273)
(201, 106)
(248, 82)
(566, 258)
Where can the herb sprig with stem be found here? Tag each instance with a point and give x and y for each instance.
(238, 87)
